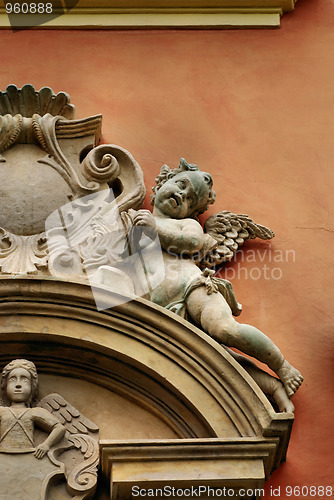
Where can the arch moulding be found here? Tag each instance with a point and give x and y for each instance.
(227, 432)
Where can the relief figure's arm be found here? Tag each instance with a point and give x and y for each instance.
(48, 422)
(56, 435)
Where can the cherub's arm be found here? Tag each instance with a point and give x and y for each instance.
(180, 236)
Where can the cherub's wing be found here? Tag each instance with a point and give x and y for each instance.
(68, 415)
(231, 231)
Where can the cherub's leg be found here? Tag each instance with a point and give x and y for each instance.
(214, 315)
(268, 384)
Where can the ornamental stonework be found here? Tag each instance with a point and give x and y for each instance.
(122, 297)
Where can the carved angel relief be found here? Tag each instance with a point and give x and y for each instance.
(53, 159)
(67, 448)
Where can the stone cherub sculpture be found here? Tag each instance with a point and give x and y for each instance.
(111, 247)
(21, 416)
(180, 196)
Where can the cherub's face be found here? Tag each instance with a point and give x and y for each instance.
(181, 195)
(19, 385)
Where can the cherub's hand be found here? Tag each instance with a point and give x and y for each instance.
(145, 219)
(41, 450)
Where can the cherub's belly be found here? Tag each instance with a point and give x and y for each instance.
(179, 273)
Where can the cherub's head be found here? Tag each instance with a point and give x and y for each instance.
(182, 192)
(19, 382)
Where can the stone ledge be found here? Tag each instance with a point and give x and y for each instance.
(137, 14)
(238, 464)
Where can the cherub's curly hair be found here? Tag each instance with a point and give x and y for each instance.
(167, 173)
(31, 368)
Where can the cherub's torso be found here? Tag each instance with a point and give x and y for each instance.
(180, 269)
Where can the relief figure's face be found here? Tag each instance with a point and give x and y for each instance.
(181, 195)
(19, 385)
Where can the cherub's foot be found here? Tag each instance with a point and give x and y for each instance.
(281, 398)
(290, 377)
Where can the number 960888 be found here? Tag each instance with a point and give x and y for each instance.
(28, 8)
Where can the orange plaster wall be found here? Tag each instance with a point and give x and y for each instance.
(256, 109)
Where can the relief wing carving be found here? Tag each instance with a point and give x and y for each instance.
(68, 415)
(79, 450)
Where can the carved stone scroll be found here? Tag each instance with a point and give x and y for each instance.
(56, 156)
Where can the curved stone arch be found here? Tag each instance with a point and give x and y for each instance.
(137, 348)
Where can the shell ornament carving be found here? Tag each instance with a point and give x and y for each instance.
(27, 102)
